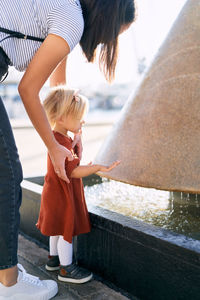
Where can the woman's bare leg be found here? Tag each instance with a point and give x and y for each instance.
(8, 277)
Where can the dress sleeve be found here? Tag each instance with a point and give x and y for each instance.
(71, 165)
(67, 22)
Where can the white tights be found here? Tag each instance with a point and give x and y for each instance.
(64, 250)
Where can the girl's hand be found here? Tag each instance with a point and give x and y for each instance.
(78, 143)
(58, 156)
(109, 168)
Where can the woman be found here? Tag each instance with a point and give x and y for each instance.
(50, 30)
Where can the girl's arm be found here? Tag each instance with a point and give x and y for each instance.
(82, 171)
(53, 50)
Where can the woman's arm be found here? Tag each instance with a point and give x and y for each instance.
(83, 171)
(53, 50)
(59, 77)
(59, 74)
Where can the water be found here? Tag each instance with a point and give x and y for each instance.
(178, 212)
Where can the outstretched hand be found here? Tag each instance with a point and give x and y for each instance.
(58, 156)
(110, 167)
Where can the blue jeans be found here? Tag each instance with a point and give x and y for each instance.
(10, 190)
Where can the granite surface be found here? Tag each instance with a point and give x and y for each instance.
(158, 134)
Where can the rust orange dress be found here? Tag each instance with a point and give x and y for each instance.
(63, 209)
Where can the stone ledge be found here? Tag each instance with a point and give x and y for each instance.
(33, 258)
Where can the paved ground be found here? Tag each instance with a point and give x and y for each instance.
(33, 258)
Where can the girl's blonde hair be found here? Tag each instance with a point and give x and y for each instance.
(62, 101)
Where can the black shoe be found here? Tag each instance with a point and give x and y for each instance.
(74, 274)
(53, 263)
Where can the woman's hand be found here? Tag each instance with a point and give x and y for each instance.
(58, 155)
(110, 167)
(78, 143)
(50, 55)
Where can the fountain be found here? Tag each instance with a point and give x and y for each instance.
(159, 129)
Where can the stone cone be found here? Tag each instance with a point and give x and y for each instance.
(157, 137)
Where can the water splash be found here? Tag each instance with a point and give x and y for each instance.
(175, 211)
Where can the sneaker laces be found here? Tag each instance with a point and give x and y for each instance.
(28, 277)
(75, 270)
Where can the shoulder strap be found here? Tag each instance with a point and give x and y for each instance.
(19, 35)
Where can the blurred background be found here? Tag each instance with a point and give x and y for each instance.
(137, 48)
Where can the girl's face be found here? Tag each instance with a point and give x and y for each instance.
(71, 123)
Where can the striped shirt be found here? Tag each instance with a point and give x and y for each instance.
(38, 18)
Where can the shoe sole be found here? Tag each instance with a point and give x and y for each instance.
(50, 295)
(72, 280)
(52, 268)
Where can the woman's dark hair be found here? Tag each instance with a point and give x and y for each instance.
(103, 21)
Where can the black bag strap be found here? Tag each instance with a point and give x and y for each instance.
(19, 35)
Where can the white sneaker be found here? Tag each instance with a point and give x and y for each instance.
(29, 287)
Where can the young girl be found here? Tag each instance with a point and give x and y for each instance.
(63, 212)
